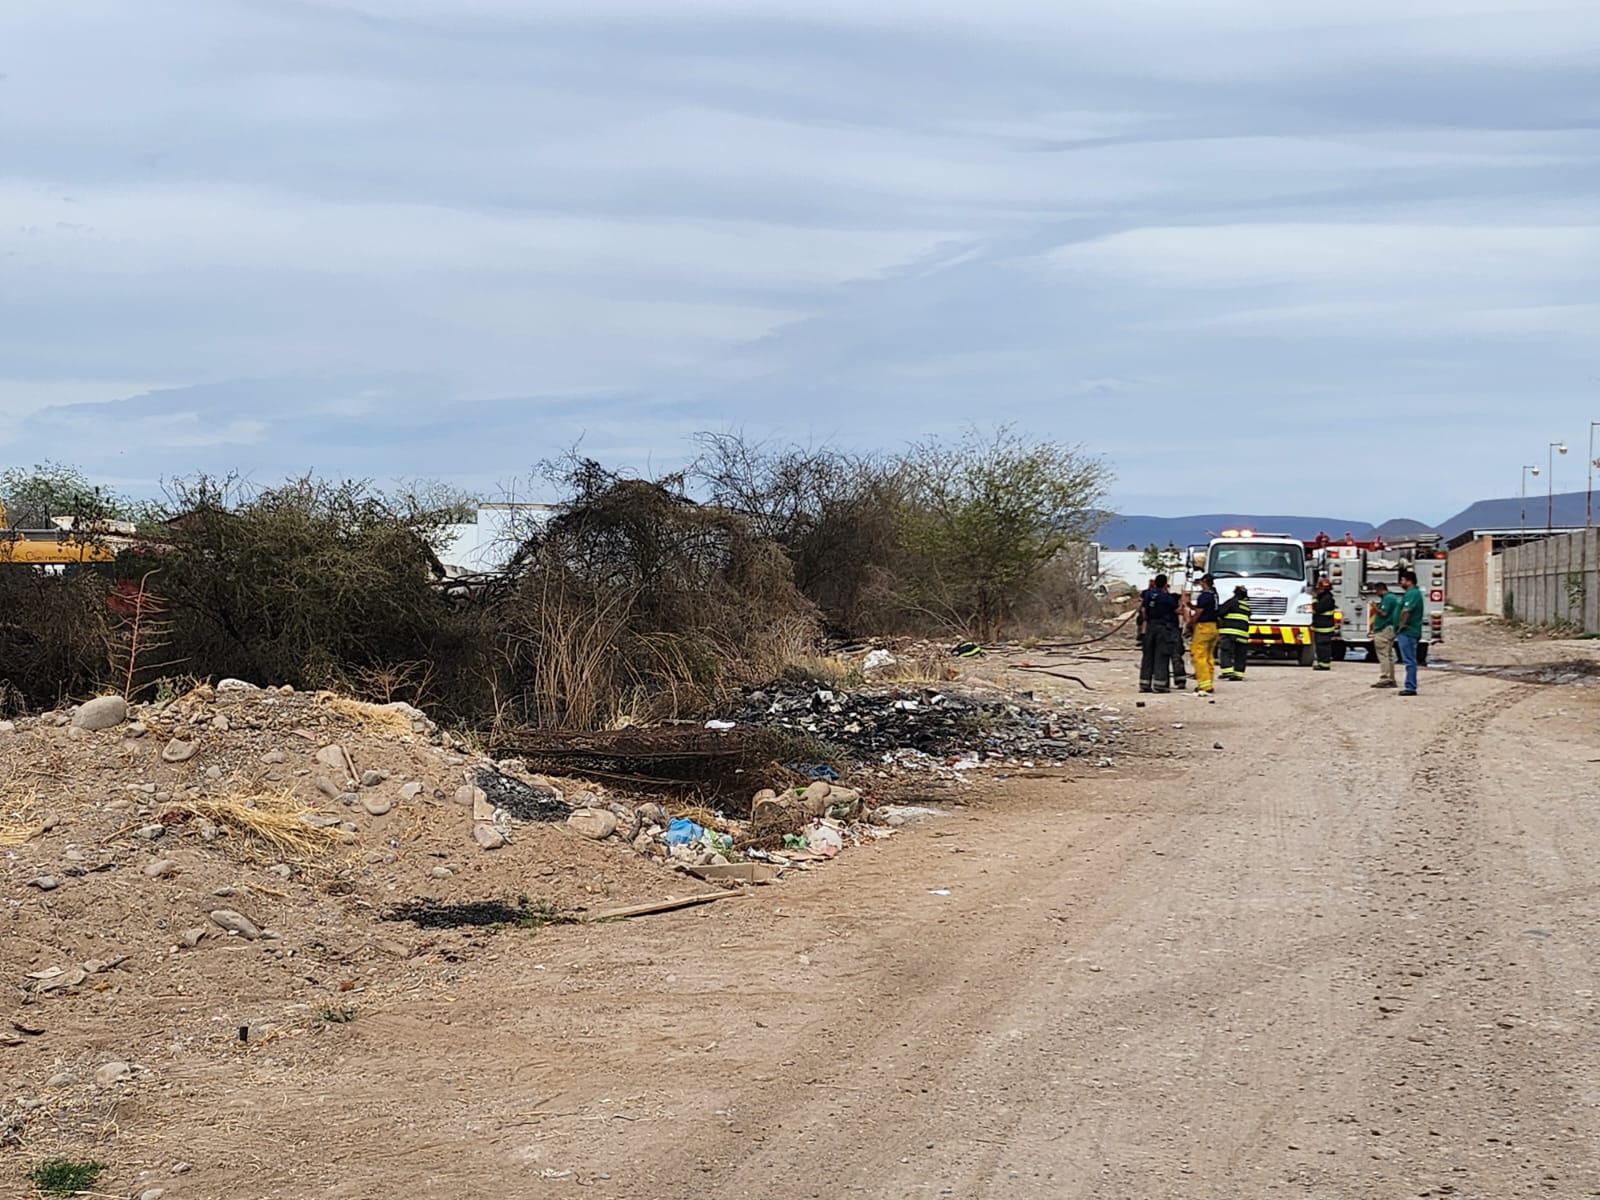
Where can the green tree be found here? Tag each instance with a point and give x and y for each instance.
(987, 515)
(1158, 561)
(34, 496)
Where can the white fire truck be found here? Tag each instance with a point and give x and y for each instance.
(1356, 568)
(1273, 569)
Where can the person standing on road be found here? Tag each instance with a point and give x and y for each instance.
(1385, 619)
(1410, 630)
(1323, 624)
(1203, 628)
(1160, 613)
(1233, 632)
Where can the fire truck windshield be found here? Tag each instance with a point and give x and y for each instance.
(1244, 561)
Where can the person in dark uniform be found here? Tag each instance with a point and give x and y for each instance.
(1159, 610)
(1323, 624)
(1233, 620)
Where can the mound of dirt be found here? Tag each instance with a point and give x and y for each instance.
(230, 854)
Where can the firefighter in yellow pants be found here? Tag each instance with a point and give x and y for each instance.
(1203, 624)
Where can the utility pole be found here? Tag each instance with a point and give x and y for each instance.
(1588, 504)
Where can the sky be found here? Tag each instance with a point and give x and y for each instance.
(1260, 255)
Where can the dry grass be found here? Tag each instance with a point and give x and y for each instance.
(375, 718)
(19, 803)
(263, 824)
(17, 825)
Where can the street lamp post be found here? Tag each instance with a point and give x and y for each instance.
(1550, 502)
(1588, 504)
(1525, 469)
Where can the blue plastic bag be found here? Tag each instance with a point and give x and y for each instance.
(684, 832)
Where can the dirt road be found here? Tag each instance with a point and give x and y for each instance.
(1350, 953)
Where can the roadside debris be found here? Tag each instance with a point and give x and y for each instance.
(920, 727)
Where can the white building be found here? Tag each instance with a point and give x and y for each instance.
(486, 544)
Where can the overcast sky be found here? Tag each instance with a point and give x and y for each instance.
(1263, 255)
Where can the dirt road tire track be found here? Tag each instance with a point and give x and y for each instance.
(1347, 956)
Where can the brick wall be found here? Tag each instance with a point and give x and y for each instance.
(1472, 582)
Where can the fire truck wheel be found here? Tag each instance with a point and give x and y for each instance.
(1308, 655)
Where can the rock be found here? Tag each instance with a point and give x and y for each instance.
(161, 868)
(487, 836)
(350, 799)
(281, 870)
(844, 804)
(236, 923)
(337, 758)
(136, 730)
(410, 791)
(120, 804)
(644, 844)
(177, 751)
(45, 883)
(482, 806)
(213, 773)
(8, 727)
(235, 685)
(221, 723)
(273, 757)
(157, 1193)
(319, 820)
(653, 814)
(74, 734)
(441, 872)
(152, 831)
(209, 832)
(112, 1072)
(596, 823)
(377, 806)
(101, 713)
(50, 821)
(329, 788)
(373, 778)
(181, 1168)
(587, 800)
(191, 937)
(61, 1079)
(816, 797)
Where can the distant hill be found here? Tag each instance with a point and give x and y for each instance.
(1402, 527)
(1121, 532)
(1506, 514)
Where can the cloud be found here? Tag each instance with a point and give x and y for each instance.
(447, 236)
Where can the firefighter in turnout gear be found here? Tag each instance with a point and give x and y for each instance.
(1233, 622)
(1324, 623)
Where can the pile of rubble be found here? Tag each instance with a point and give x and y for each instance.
(922, 728)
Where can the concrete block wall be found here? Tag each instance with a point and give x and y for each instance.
(1557, 579)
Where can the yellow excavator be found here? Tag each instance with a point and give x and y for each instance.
(63, 544)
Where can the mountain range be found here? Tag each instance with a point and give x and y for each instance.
(1121, 532)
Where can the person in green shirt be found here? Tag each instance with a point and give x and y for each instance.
(1410, 630)
(1385, 622)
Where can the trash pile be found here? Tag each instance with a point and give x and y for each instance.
(796, 827)
(922, 728)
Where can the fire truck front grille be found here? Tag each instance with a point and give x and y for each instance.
(1268, 606)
